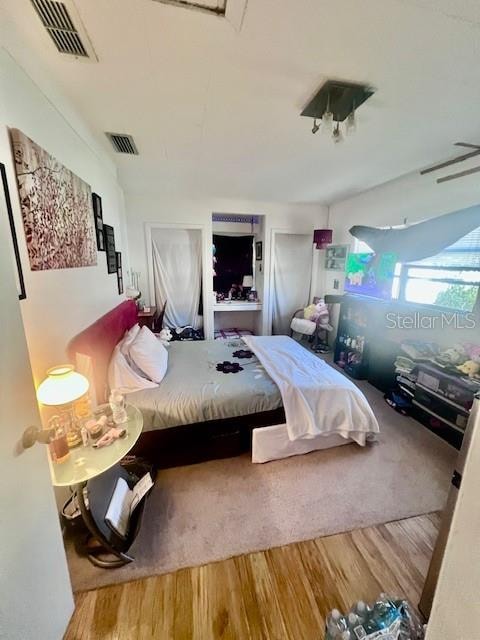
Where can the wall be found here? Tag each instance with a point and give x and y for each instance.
(36, 598)
(59, 302)
(412, 197)
(298, 218)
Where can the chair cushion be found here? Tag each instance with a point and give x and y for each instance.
(300, 325)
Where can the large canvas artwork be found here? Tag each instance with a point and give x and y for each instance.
(56, 209)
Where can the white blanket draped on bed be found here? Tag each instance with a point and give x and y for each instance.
(318, 400)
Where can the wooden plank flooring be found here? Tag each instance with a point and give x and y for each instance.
(278, 594)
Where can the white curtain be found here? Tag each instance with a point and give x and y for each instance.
(177, 272)
(292, 275)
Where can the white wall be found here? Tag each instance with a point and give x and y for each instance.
(298, 218)
(412, 197)
(59, 302)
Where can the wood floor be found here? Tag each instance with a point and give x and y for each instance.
(282, 593)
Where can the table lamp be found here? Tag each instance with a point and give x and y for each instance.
(247, 284)
(62, 386)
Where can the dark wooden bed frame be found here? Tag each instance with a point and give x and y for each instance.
(185, 444)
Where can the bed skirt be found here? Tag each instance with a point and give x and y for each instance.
(192, 443)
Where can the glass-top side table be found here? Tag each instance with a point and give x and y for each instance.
(84, 463)
(94, 473)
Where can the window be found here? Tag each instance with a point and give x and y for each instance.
(451, 279)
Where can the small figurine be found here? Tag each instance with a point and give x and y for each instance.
(112, 434)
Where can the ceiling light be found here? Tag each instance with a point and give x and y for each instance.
(337, 135)
(351, 123)
(337, 102)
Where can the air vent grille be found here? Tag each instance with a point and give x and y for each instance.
(60, 27)
(122, 143)
(218, 7)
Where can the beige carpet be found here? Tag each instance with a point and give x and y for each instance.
(218, 509)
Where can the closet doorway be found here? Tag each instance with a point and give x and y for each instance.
(176, 273)
(291, 280)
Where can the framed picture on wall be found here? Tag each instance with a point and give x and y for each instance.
(98, 220)
(119, 272)
(6, 204)
(258, 250)
(109, 239)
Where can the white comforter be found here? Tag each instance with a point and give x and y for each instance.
(318, 400)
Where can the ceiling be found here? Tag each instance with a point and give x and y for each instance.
(214, 110)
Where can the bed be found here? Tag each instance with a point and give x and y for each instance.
(218, 399)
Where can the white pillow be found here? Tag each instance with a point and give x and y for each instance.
(128, 338)
(149, 354)
(122, 377)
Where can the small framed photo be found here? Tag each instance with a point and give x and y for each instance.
(258, 250)
(98, 218)
(119, 272)
(109, 239)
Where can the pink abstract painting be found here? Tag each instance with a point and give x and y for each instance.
(56, 209)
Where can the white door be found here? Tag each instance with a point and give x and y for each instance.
(35, 594)
(456, 604)
(292, 277)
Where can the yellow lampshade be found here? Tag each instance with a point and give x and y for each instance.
(63, 385)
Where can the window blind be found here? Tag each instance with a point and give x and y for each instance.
(463, 254)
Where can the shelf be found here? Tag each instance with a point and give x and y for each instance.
(444, 399)
(435, 415)
(237, 305)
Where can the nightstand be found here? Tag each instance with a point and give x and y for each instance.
(146, 318)
(97, 471)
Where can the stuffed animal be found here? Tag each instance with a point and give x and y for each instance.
(456, 355)
(473, 351)
(165, 336)
(319, 314)
(470, 368)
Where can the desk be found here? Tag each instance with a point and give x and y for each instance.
(101, 469)
(239, 314)
(237, 305)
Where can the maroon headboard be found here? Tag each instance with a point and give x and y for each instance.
(100, 339)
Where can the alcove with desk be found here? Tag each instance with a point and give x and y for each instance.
(238, 280)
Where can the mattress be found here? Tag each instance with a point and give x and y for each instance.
(207, 380)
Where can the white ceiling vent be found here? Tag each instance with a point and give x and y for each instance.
(218, 7)
(122, 143)
(64, 26)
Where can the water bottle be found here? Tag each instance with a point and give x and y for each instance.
(335, 625)
(384, 613)
(355, 626)
(117, 405)
(362, 611)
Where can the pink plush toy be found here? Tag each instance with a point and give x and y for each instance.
(473, 351)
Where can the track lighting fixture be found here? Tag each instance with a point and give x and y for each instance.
(315, 127)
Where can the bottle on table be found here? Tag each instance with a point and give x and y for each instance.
(117, 405)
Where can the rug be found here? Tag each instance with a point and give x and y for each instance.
(214, 510)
